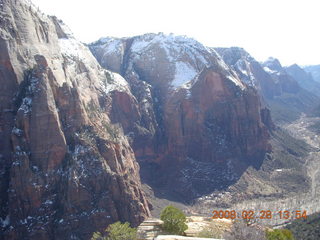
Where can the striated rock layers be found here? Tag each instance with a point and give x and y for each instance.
(66, 170)
(197, 126)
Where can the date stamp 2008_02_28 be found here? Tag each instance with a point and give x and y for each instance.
(260, 214)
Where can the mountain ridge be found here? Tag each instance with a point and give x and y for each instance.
(77, 140)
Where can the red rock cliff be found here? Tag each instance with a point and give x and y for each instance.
(66, 170)
(199, 125)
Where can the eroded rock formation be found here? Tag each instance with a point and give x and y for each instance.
(66, 170)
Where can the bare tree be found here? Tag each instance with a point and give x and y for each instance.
(240, 230)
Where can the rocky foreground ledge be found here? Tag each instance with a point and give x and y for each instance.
(151, 228)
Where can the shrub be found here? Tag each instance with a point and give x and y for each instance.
(117, 231)
(280, 234)
(173, 220)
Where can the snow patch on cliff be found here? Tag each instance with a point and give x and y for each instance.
(183, 74)
(5, 222)
(114, 82)
(109, 45)
(71, 48)
(268, 70)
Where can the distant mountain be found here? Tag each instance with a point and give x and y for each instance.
(304, 79)
(279, 90)
(314, 71)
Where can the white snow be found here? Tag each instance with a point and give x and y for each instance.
(5, 222)
(17, 131)
(109, 45)
(117, 83)
(48, 202)
(66, 29)
(139, 45)
(183, 74)
(70, 48)
(26, 105)
(235, 80)
(268, 70)
(173, 45)
(114, 46)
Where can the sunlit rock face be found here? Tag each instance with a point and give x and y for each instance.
(66, 170)
(199, 126)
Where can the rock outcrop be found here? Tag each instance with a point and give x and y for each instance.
(66, 169)
(198, 224)
(149, 229)
(152, 228)
(198, 126)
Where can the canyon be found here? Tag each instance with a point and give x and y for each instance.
(91, 134)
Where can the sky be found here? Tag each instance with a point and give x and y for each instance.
(284, 29)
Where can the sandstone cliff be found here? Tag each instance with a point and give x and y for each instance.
(66, 170)
(198, 125)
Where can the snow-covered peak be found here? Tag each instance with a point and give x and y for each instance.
(145, 40)
(233, 54)
(273, 64)
(167, 57)
(109, 45)
(268, 70)
(106, 41)
(173, 45)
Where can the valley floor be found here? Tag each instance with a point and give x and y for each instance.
(305, 129)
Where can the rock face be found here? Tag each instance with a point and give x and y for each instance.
(66, 169)
(285, 93)
(197, 126)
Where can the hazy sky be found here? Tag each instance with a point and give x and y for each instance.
(286, 29)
